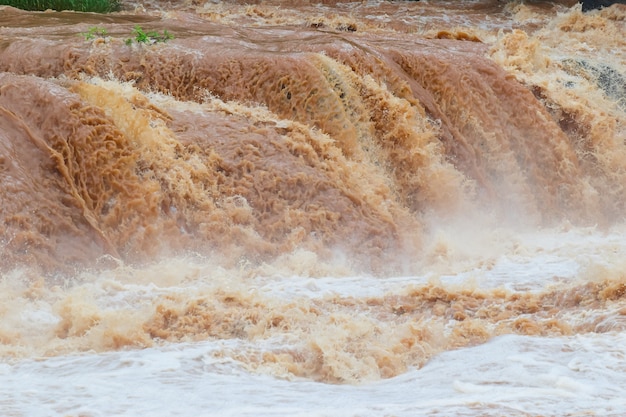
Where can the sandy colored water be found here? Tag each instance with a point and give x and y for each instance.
(292, 195)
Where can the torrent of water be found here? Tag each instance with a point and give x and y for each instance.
(336, 192)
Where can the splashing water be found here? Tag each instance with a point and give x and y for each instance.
(340, 209)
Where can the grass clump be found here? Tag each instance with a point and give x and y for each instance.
(94, 32)
(141, 36)
(96, 6)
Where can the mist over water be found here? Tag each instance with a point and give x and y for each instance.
(299, 194)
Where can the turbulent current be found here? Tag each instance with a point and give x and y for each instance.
(335, 209)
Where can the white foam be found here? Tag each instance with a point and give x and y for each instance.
(509, 375)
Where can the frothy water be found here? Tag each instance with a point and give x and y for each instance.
(511, 375)
(528, 373)
(325, 210)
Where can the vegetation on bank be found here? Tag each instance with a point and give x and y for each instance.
(96, 6)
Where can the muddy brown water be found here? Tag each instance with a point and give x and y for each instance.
(346, 130)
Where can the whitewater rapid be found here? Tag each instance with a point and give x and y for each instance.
(511, 375)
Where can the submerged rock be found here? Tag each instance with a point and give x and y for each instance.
(598, 4)
(607, 78)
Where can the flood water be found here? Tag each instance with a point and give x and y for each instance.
(300, 209)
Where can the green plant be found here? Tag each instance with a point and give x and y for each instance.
(141, 36)
(151, 37)
(97, 6)
(94, 32)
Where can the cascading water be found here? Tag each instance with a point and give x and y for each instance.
(289, 195)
